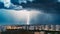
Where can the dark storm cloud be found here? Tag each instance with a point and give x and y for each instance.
(46, 19)
(48, 6)
(51, 7)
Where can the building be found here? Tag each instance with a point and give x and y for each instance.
(31, 29)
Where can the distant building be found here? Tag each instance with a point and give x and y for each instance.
(57, 27)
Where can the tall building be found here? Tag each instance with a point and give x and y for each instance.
(57, 27)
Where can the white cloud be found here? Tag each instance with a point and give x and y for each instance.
(58, 0)
(8, 4)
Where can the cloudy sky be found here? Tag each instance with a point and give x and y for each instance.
(49, 11)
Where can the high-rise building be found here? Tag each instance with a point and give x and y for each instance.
(57, 27)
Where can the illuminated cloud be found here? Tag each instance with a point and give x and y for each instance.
(18, 7)
(20, 17)
(8, 4)
(24, 15)
(22, 1)
(58, 0)
(25, 1)
(30, 0)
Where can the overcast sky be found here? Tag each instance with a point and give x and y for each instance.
(50, 8)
